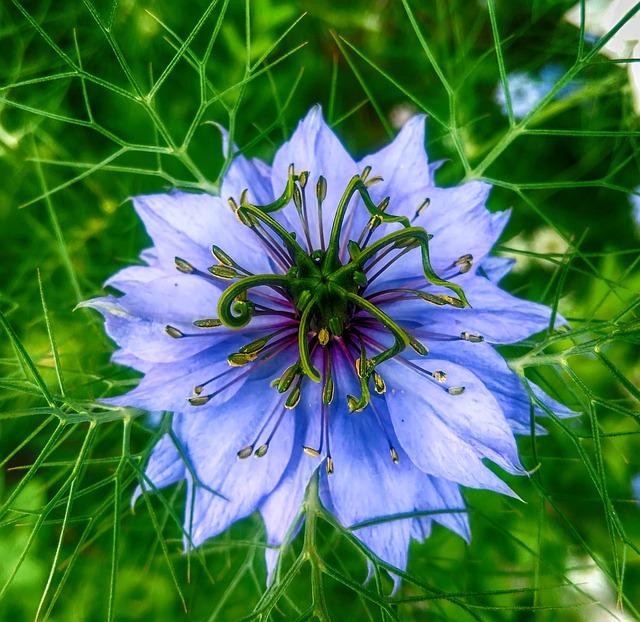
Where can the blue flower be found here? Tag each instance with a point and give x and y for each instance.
(526, 89)
(335, 319)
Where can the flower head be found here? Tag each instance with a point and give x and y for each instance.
(326, 318)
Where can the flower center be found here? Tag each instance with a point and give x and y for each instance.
(318, 293)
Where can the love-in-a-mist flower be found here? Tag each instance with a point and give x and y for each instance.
(325, 318)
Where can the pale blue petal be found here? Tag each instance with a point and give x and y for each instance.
(495, 314)
(316, 149)
(211, 442)
(461, 429)
(496, 268)
(165, 467)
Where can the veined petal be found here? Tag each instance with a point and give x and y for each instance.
(461, 429)
(212, 443)
(316, 149)
(495, 314)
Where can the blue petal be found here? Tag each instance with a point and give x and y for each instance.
(449, 435)
(496, 268)
(186, 225)
(211, 442)
(494, 314)
(165, 467)
(316, 149)
(166, 386)
(253, 175)
(483, 360)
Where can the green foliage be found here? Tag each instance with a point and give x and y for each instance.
(99, 102)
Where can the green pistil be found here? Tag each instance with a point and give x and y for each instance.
(324, 292)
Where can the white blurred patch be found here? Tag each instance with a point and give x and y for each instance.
(591, 581)
(401, 113)
(543, 242)
(600, 17)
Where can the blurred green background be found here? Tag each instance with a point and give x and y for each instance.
(102, 101)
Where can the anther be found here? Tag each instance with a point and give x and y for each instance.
(467, 336)
(199, 401)
(172, 331)
(232, 204)
(255, 346)
(379, 384)
(365, 174)
(245, 452)
(224, 272)
(198, 390)
(323, 336)
(183, 266)
(395, 458)
(384, 204)
(221, 256)
(468, 258)
(440, 376)
(239, 360)
(455, 390)
(418, 347)
(373, 181)
(212, 322)
(303, 178)
(294, 397)
(288, 377)
(422, 207)
(311, 452)
(297, 198)
(328, 390)
(321, 188)
(329, 466)
(336, 326)
(243, 197)
(261, 451)
(354, 404)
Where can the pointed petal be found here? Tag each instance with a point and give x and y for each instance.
(211, 444)
(461, 429)
(165, 467)
(495, 314)
(316, 149)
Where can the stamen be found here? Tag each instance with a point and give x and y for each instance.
(321, 195)
(286, 380)
(301, 207)
(172, 331)
(293, 398)
(239, 360)
(208, 323)
(421, 208)
(224, 272)
(467, 336)
(330, 469)
(184, 266)
(464, 263)
(199, 401)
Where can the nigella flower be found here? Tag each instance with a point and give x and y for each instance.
(326, 318)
